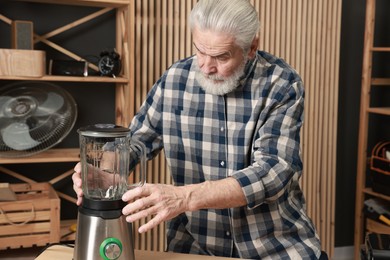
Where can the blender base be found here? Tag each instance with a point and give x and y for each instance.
(107, 239)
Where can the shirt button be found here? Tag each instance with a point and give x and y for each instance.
(222, 129)
(228, 233)
(222, 163)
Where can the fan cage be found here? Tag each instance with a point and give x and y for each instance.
(46, 129)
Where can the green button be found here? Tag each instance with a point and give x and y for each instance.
(111, 248)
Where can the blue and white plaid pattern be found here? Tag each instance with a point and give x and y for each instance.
(251, 134)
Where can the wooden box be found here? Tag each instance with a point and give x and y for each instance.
(33, 219)
(22, 63)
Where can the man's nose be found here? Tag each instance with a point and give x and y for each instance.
(208, 65)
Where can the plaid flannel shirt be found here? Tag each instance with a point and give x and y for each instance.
(251, 134)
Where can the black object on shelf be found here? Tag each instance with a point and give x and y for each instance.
(376, 246)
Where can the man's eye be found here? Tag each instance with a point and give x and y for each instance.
(223, 58)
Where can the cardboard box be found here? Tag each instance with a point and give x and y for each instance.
(33, 219)
(22, 63)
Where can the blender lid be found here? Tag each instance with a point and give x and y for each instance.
(104, 130)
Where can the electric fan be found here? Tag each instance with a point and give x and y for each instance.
(34, 116)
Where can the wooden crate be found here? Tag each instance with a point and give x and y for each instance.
(23, 63)
(33, 219)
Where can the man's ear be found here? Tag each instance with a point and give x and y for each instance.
(253, 49)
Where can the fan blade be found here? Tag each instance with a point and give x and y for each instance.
(17, 137)
(51, 105)
(3, 101)
(4, 121)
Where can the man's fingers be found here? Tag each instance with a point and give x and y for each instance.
(137, 215)
(76, 177)
(137, 205)
(79, 200)
(135, 193)
(154, 222)
(155, 202)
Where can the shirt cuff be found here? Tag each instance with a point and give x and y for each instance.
(252, 187)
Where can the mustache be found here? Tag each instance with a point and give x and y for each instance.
(208, 76)
(212, 77)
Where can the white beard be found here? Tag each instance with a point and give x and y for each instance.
(218, 85)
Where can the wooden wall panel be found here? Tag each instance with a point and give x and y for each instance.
(306, 33)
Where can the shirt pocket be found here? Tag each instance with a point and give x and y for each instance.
(188, 124)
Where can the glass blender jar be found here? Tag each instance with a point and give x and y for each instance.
(108, 156)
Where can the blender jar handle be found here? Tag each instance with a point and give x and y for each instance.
(142, 162)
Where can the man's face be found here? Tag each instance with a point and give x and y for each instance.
(221, 62)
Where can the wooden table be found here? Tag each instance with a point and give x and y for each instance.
(59, 252)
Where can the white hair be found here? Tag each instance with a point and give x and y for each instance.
(235, 17)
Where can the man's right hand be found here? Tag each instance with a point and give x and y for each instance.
(76, 177)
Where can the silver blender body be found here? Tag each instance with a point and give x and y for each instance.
(106, 151)
(103, 234)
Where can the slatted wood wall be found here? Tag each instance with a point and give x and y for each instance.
(306, 33)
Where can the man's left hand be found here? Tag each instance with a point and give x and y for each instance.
(161, 201)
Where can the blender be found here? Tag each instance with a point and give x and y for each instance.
(108, 157)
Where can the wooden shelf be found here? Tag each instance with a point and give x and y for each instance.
(97, 3)
(124, 11)
(380, 110)
(48, 156)
(376, 194)
(122, 82)
(380, 81)
(366, 109)
(377, 227)
(380, 49)
(70, 79)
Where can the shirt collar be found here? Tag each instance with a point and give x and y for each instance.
(249, 67)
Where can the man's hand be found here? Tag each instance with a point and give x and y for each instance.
(76, 177)
(106, 179)
(164, 202)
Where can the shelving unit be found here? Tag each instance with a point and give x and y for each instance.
(123, 87)
(369, 81)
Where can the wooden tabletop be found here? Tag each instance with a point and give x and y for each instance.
(59, 252)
